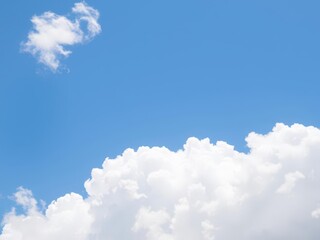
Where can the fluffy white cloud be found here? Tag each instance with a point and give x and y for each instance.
(204, 191)
(24, 198)
(52, 32)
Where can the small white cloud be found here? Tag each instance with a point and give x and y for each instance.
(204, 191)
(316, 213)
(290, 182)
(51, 33)
(24, 198)
(90, 16)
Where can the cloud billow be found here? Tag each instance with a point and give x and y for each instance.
(204, 191)
(51, 33)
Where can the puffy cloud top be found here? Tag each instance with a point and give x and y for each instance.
(52, 32)
(204, 191)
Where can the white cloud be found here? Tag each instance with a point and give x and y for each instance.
(316, 213)
(51, 33)
(204, 191)
(290, 182)
(24, 198)
(66, 218)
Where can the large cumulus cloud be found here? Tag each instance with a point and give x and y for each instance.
(204, 191)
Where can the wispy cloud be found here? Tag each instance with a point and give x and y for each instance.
(316, 213)
(204, 191)
(52, 33)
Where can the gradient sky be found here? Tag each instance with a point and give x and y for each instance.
(160, 72)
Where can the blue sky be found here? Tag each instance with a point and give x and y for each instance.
(160, 72)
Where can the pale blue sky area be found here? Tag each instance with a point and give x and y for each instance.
(160, 72)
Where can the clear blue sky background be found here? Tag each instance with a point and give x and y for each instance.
(160, 72)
